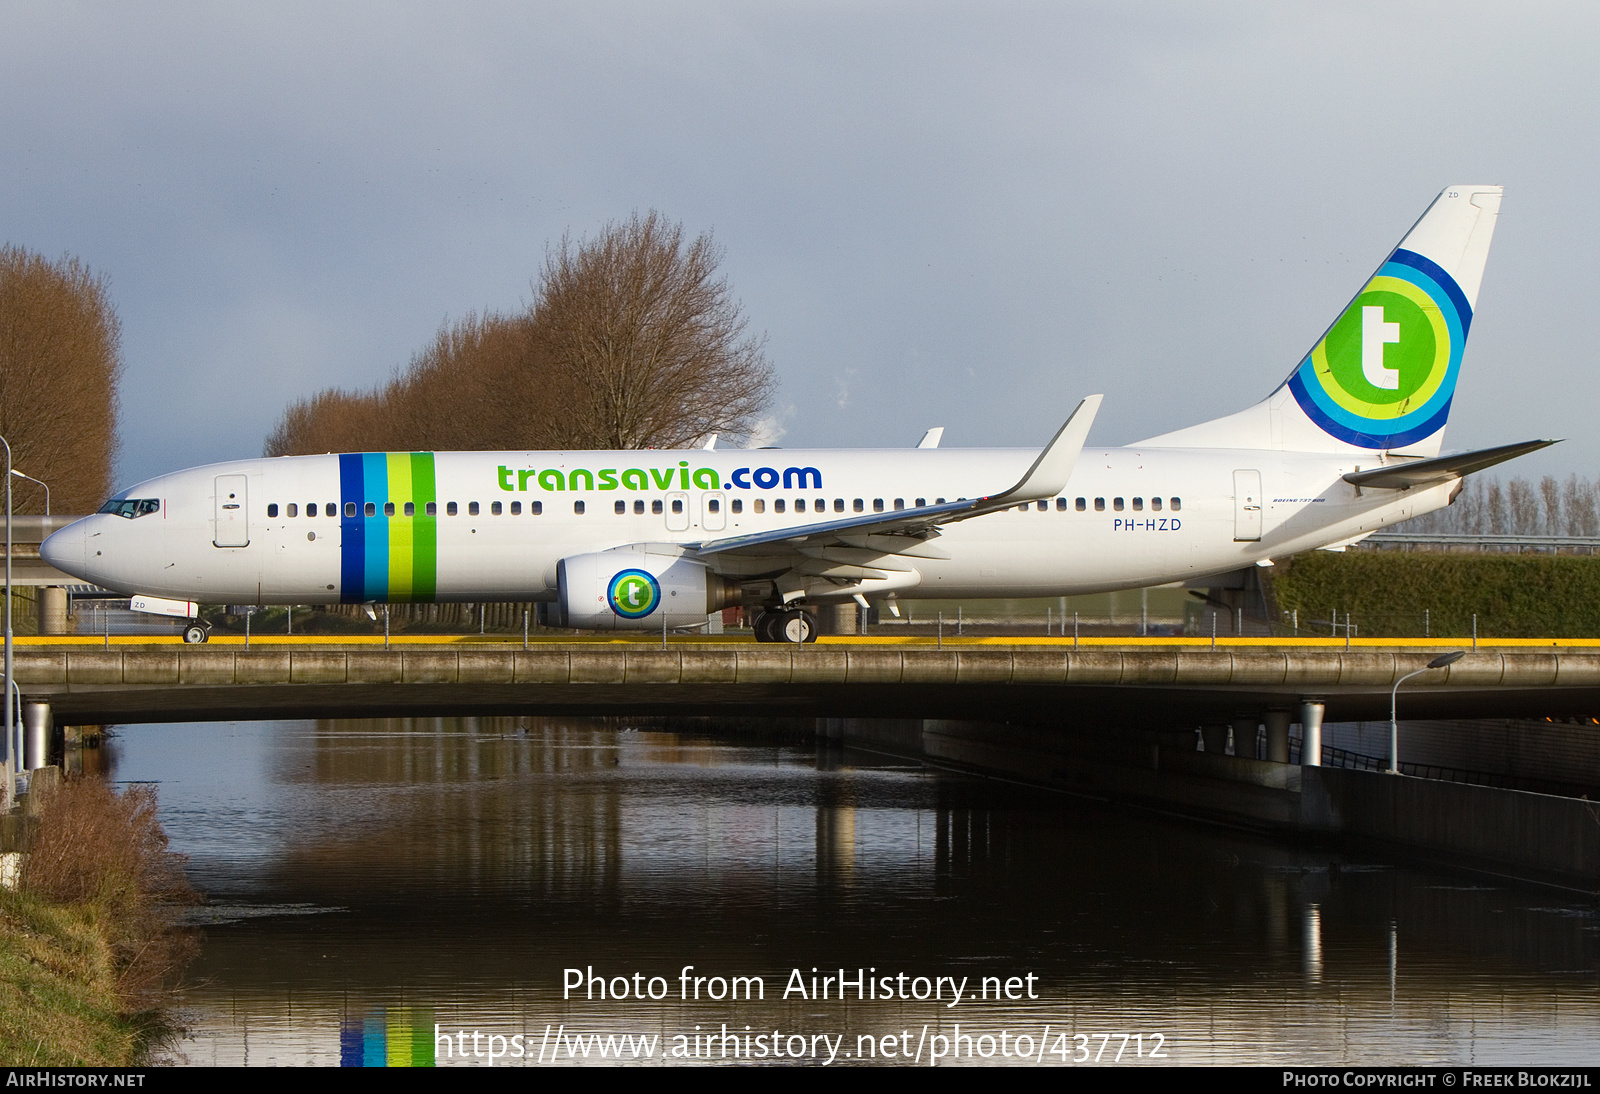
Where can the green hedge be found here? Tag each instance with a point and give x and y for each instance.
(1387, 592)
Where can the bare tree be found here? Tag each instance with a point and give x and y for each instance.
(1550, 491)
(60, 359)
(656, 349)
(632, 342)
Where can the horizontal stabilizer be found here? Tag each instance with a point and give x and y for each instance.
(1402, 476)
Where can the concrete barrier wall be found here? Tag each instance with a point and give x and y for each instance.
(1534, 836)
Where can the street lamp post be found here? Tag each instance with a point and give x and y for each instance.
(1394, 725)
(42, 483)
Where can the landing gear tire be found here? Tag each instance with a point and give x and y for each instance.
(797, 627)
(195, 633)
(766, 626)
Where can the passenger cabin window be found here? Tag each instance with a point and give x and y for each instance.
(371, 509)
(877, 505)
(1176, 503)
(272, 509)
(1116, 504)
(638, 508)
(778, 506)
(899, 503)
(1061, 505)
(349, 508)
(450, 509)
(620, 508)
(132, 508)
(516, 508)
(838, 505)
(293, 509)
(737, 505)
(1155, 503)
(1099, 505)
(494, 509)
(1081, 504)
(759, 505)
(472, 508)
(859, 506)
(433, 509)
(1041, 506)
(1138, 505)
(388, 508)
(411, 508)
(820, 505)
(714, 505)
(799, 505)
(677, 505)
(536, 508)
(577, 507)
(655, 507)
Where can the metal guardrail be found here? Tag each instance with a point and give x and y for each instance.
(1358, 761)
(1587, 544)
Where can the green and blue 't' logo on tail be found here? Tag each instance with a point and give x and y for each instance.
(1384, 374)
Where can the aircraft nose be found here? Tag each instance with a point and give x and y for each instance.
(65, 550)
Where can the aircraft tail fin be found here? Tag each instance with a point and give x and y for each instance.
(1382, 376)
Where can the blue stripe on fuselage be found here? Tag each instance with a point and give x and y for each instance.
(352, 532)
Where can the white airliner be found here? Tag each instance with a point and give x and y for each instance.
(1349, 443)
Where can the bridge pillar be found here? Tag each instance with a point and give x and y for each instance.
(1245, 728)
(52, 609)
(36, 727)
(1277, 722)
(1311, 732)
(1215, 738)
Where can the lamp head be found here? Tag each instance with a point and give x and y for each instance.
(1447, 659)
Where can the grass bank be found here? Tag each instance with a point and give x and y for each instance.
(88, 947)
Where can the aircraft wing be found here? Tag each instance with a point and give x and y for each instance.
(1401, 476)
(1045, 479)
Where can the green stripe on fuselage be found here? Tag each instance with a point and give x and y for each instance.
(425, 530)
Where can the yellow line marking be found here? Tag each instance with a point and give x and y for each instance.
(920, 641)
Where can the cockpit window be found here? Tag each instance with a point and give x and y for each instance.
(132, 507)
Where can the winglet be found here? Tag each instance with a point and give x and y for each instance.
(1049, 474)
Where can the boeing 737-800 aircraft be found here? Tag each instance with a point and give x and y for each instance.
(1349, 443)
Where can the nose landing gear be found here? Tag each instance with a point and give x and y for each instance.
(196, 632)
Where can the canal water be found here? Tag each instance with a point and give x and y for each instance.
(548, 891)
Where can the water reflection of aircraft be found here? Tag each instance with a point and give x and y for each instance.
(1349, 443)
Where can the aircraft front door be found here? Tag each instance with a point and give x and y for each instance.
(233, 512)
(1246, 506)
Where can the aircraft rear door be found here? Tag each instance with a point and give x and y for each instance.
(1246, 506)
(233, 512)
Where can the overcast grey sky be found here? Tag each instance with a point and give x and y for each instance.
(962, 215)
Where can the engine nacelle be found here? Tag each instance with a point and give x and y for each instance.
(633, 588)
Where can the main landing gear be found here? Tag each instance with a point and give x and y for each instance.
(789, 625)
(196, 632)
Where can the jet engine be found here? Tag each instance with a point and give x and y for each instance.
(636, 589)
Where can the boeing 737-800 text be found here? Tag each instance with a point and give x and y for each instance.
(1349, 443)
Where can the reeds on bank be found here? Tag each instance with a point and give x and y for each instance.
(89, 948)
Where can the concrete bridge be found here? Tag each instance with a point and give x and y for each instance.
(1042, 681)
